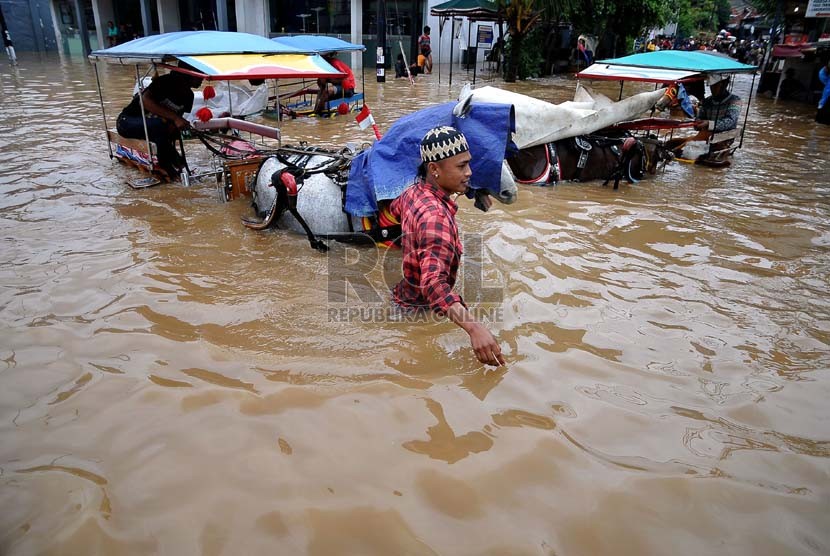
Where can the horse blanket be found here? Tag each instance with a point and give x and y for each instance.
(386, 169)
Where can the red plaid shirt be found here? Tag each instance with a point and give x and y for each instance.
(431, 248)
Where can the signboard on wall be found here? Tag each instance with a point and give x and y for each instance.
(818, 8)
(485, 34)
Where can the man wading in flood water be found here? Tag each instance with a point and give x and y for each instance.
(430, 242)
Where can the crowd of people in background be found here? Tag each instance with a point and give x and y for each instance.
(746, 51)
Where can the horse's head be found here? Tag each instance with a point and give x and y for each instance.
(668, 99)
(507, 194)
(509, 191)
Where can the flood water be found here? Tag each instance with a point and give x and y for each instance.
(173, 383)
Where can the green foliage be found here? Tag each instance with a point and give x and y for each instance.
(521, 17)
(557, 10)
(694, 16)
(530, 54)
(615, 22)
(623, 19)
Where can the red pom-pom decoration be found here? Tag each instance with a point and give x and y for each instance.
(343, 109)
(209, 92)
(204, 114)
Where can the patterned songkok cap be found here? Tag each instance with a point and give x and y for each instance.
(442, 142)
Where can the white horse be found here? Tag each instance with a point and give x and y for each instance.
(320, 194)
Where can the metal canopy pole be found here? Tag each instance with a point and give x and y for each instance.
(380, 56)
(469, 28)
(475, 57)
(144, 116)
(452, 41)
(103, 113)
(746, 115)
(441, 23)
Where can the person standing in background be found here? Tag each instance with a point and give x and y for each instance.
(425, 49)
(112, 34)
(823, 114)
(7, 42)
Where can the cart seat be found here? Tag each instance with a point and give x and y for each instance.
(134, 144)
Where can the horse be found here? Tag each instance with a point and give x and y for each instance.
(681, 100)
(590, 157)
(302, 189)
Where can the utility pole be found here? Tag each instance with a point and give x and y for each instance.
(381, 50)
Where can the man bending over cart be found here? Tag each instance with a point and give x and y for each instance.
(331, 89)
(165, 101)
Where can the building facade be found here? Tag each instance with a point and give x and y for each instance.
(75, 27)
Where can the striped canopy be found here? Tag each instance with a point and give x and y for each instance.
(664, 66)
(317, 44)
(699, 61)
(613, 72)
(221, 67)
(158, 48)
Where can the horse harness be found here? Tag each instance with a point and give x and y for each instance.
(289, 181)
(623, 148)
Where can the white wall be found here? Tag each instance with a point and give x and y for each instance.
(169, 19)
(103, 13)
(442, 48)
(357, 34)
(252, 16)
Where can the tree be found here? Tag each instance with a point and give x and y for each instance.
(619, 20)
(520, 17)
(693, 16)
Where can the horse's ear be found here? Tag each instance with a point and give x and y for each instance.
(465, 99)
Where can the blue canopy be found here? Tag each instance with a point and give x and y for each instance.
(388, 167)
(699, 61)
(317, 44)
(192, 43)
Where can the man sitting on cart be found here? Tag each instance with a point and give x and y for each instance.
(331, 89)
(719, 112)
(165, 101)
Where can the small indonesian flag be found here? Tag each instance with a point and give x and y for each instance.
(364, 118)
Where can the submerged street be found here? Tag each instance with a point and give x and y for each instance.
(173, 383)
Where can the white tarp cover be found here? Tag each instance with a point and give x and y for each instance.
(631, 73)
(234, 99)
(242, 100)
(539, 122)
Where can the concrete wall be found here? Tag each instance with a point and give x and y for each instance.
(169, 17)
(103, 12)
(252, 16)
(30, 25)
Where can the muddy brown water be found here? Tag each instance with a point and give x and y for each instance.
(171, 383)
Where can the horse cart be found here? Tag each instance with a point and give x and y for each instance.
(303, 188)
(344, 194)
(299, 101)
(216, 56)
(684, 75)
